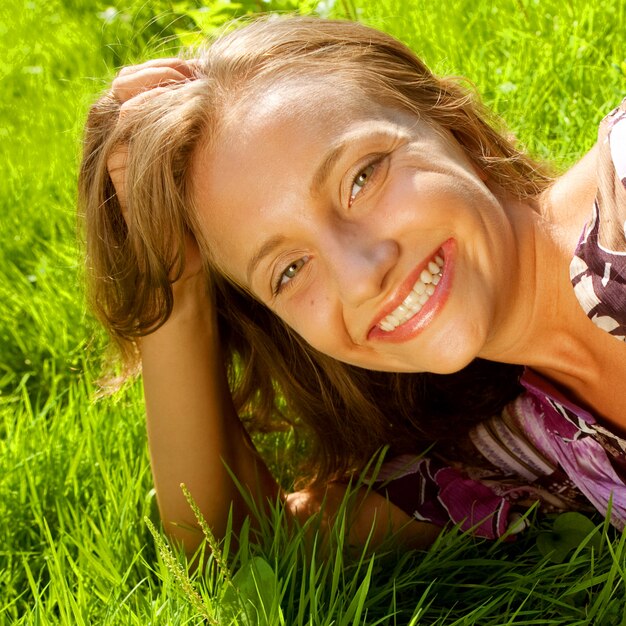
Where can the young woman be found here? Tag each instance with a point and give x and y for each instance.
(304, 223)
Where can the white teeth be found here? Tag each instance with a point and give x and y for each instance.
(419, 288)
(418, 296)
(411, 300)
(426, 277)
(393, 318)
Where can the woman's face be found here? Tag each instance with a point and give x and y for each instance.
(365, 229)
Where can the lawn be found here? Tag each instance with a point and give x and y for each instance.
(75, 487)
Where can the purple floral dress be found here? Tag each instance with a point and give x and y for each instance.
(543, 447)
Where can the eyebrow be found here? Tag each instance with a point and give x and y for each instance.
(326, 166)
(267, 247)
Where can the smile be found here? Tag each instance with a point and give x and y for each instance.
(419, 299)
(419, 295)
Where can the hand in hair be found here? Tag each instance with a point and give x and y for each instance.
(133, 87)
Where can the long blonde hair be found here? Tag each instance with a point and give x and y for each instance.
(350, 412)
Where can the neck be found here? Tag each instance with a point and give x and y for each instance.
(540, 321)
(543, 326)
(541, 318)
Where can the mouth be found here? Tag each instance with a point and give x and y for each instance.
(417, 301)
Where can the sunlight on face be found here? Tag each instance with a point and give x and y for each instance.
(332, 209)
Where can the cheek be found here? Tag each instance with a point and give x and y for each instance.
(310, 315)
(415, 194)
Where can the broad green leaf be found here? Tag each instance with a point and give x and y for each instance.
(569, 531)
(249, 598)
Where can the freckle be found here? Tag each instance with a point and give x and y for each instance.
(312, 303)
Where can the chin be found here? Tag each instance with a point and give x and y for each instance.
(444, 354)
(451, 367)
(442, 365)
(455, 363)
(449, 357)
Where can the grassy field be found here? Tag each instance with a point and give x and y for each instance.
(75, 486)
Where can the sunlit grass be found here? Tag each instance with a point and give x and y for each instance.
(75, 484)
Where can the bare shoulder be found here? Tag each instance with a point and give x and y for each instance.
(568, 202)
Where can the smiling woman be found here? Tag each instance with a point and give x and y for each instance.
(350, 232)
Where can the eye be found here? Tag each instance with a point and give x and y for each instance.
(289, 273)
(361, 179)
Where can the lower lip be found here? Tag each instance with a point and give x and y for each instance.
(430, 310)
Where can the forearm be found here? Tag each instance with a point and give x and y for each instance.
(193, 430)
(371, 519)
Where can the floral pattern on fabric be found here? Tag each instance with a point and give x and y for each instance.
(598, 269)
(569, 436)
(441, 494)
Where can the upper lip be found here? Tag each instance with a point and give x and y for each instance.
(400, 294)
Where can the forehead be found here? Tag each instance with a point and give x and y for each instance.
(303, 98)
(284, 118)
(260, 160)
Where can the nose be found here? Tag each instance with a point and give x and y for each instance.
(360, 262)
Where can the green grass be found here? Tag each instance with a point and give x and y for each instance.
(75, 485)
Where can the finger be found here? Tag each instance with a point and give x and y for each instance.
(183, 66)
(116, 165)
(137, 102)
(126, 87)
(117, 162)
